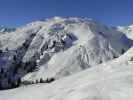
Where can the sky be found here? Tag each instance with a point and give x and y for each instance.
(15, 13)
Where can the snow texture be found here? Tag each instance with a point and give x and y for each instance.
(109, 81)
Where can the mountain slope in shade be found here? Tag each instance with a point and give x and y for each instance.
(108, 81)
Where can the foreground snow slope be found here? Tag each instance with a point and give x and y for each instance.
(109, 81)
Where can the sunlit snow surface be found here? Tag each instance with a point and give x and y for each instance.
(92, 43)
(109, 81)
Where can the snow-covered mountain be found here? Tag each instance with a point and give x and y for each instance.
(108, 81)
(58, 47)
(6, 30)
(73, 44)
(128, 30)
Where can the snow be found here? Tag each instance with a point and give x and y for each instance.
(91, 44)
(64, 46)
(5, 30)
(108, 81)
(128, 30)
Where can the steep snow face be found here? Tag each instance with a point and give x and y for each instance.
(67, 45)
(109, 81)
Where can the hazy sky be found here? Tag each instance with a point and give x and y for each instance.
(111, 12)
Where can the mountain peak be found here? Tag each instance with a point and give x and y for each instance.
(58, 47)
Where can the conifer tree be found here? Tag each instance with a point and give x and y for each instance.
(41, 80)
